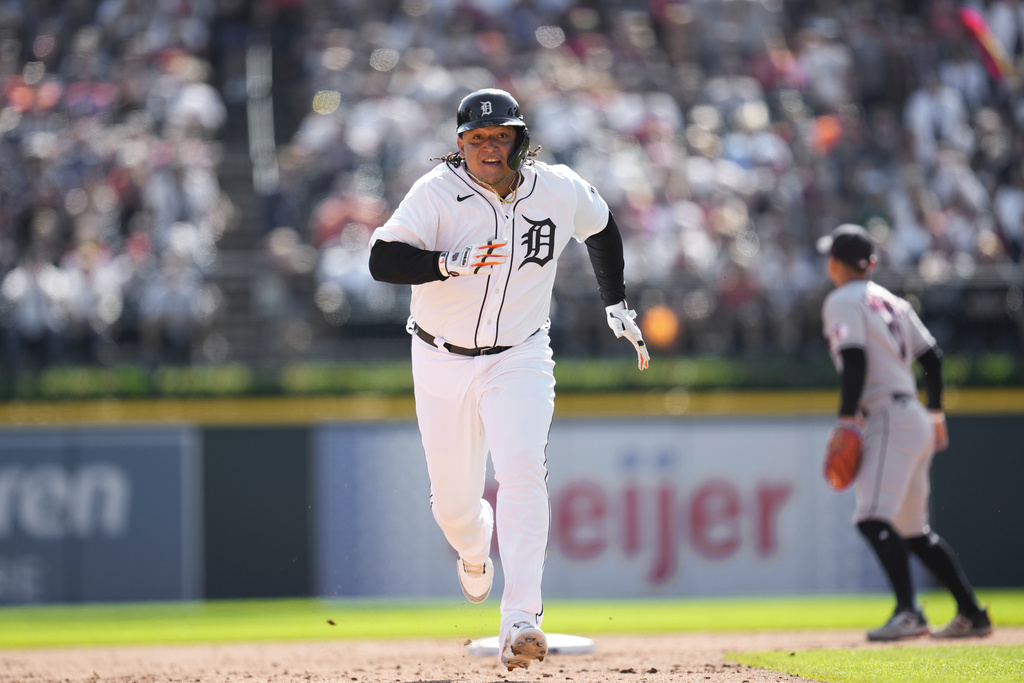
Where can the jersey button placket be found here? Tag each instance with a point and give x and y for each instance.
(493, 305)
(490, 315)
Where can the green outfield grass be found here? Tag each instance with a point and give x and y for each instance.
(296, 619)
(316, 619)
(952, 664)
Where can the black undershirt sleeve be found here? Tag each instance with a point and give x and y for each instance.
(403, 264)
(931, 365)
(605, 249)
(855, 370)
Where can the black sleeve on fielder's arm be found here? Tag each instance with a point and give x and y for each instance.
(931, 365)
(403, 264)
(605, 249)
(855, 370)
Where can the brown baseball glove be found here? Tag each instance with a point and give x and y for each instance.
(842, 457)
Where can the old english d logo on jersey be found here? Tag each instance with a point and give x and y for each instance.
(539, 241)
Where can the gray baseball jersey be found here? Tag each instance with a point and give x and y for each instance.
(892, 483)
(864, 314)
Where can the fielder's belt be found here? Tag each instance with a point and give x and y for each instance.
(461, 350)
(895, 397)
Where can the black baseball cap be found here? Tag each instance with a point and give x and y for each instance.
(851, 244)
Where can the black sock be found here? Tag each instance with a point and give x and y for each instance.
(940, 559)
(892, 553)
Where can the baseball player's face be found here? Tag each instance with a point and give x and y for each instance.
(486, 153)
(833, 267)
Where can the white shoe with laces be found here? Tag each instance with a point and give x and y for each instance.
(475, 579)
(525, 642)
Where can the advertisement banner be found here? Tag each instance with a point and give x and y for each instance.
(99, 515)
(374, 534)
(711, 507)
(639, 508)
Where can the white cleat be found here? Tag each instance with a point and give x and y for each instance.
(475, 579)
(525, 643)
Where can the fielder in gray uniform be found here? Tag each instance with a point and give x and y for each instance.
(875, 337)
(478, 238)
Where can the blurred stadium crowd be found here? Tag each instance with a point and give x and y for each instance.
(110, 204)
(727, 135)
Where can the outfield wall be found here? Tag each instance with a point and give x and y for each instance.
(640, 508)
(91, 515)
(643, 505)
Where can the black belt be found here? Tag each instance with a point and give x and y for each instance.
(896, 396)
(461, 350)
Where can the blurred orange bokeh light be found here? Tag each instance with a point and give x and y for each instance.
(660, 326)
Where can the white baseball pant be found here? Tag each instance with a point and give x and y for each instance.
(505, 402)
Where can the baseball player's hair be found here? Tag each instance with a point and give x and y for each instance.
(455, 160)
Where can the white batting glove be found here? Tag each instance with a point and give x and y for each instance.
(476, 259)
(620, 319)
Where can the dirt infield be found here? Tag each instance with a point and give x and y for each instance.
(699, 658)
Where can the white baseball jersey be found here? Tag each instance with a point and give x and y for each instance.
(864, 314)
(446, 210)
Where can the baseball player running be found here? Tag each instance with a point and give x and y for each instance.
(874, 337)
(478, 238)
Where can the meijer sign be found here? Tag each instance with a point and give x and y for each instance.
(639, 508)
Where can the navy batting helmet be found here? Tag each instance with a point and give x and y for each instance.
(493, 107)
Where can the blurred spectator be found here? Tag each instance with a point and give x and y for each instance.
(170, 313)
(35, 293)
(281, 291)
(94, 304)
(194, 108)
(135, 266)
(827, 64)
(1008, 206)
(936, 116)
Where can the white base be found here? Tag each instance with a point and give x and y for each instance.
(558, 644)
